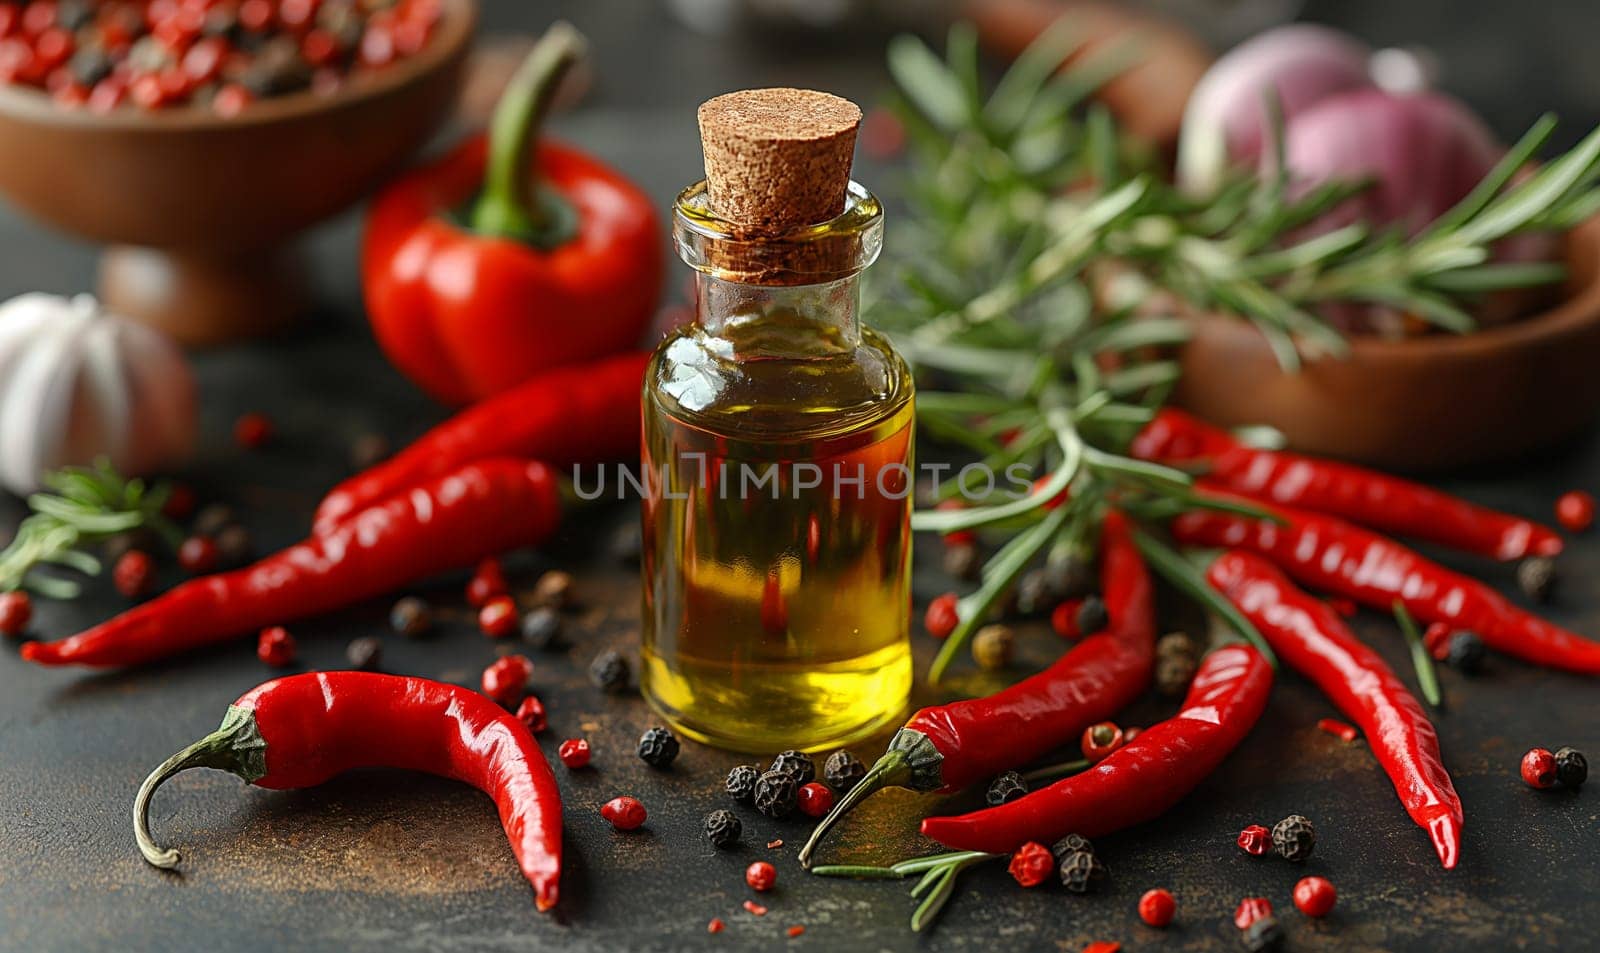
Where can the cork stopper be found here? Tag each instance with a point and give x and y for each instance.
(777, 159)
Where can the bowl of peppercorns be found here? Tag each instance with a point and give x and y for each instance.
(198, 138)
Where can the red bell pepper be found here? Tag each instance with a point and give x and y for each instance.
(556, 258)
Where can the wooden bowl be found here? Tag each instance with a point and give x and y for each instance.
(1417, 404)
(201, 209)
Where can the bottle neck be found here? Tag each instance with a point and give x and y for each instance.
(806, 320)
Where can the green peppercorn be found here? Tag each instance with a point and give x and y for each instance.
(541, 628)
(1092, 615)
(741, 783)
(1536, 576)
(609, 672)
(843, 770)
(776, 794)
(1263, 934)
(1572, 768)
(797, 765)
(1294, 838)
(992, 647)
(1071, 844)
(723, 828)
(1004, 789)
(658, 748)
(1082, 872)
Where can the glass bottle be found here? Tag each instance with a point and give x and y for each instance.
(777, 456)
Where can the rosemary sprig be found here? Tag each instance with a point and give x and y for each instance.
(85, 505)
(1427, 678)
(939, 872)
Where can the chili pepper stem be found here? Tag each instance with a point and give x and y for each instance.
(512, 205)
(893, 769)
(236, 746)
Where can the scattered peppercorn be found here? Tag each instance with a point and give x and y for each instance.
(741, 783)
(1177, 659)
(411, 617)
(134, 574)
(554, 589)
(658, 747)
(962, 560)
(942, 616)
(1070, 576)
(1314, 896)
(795, 931)
(275, 646)
(180, 502)
(364, 654)
(1250, 910)
(1035, 595)
(506, 679)
(1081, 871)
(235, 548)
(1092, 615)
(815, 799)
(1005, 788)
(1064, 619)
(1294, 838)
(760, 876)
(368, 450)
(1466, 652)
(253, 431)
(1100, 740)
(776, 794)
(1337, 728)
(992, 646)
(755, 909)
(723, 828)
(1575, 510)
(197, 554)
(498, 617)
(1032, 864)
(540, 628)
(574, 753)
(1157, 908)
(1539, 768)
(842, 770)
(1264, 934)
(624, 813)
(1536, 576)
(1255, 840)
(1572, 768)
(609, 672)
(121, 544)
(212, 519)
(716, 925)
(796, 764)
(531, 713)
(1071, 844)
(487, 581)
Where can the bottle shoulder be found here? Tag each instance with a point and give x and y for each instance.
(703, 379)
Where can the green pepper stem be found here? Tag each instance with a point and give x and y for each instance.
(892, 770)
(236, 747)
(511, 206)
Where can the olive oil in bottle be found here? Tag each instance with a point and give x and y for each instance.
(777, 448)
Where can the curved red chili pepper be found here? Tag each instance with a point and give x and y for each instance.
(300, 731)
(1331, 555)
(455, 520)
(947, 747)
(1383, 502)
(1138, 781)
(1307, 633)
(583, 414)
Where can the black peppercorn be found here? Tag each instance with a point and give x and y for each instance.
(658, 747)
(609, 672)
(1081, 871)
(797, 765)
(723, 828)
(368, 450)
(962, 561)
(1572, 768)
(1035, 595)
(1294, 837)
(1071, 844)
(776, 794)
(1263, 934)
(541, 627)
(1005, 789)
(411, 617)
(554, 589)
(234, 547)
(1537, 578)
(212, 519)
(1466, 652)
(842, 770)
(1174, 674)
(364, 654)
(1070, 577)
(1092, 616)
(741, 783)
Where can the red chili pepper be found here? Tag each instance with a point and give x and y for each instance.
(561, 261)
(1383, 502)
(572, 415)
(1311, 638)
(300, 731)
(482, 508)
(1331, 555)
(947, 747)
(1138, 781)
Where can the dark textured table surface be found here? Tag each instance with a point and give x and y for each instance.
(399, 862)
